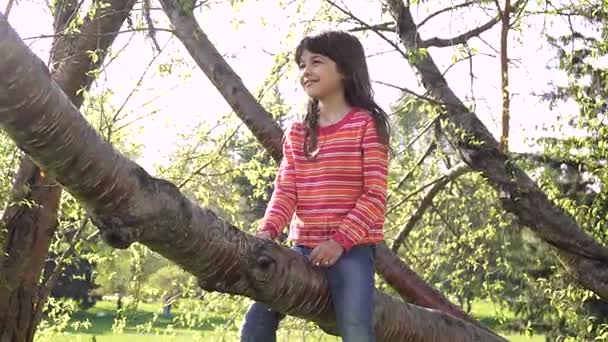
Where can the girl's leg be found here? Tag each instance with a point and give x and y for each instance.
(261, 321)
(351, 281)
(261, 324)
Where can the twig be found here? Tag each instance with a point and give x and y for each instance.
(460, 39)
(46, 288)
(411, 92)
(135, 88)
(427, 200)
(222, 147)
(432, 146)
(151, 30)
(369, 27)
(388, 27)
(455, 7)
(424, 130)
(101, 34)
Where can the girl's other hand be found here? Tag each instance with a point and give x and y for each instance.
(326, 254)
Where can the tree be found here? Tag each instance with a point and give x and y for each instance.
(128, 205)
(406, 282)
(585, 258)
(31, 221)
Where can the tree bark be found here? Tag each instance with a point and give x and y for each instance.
(404, 280)
(31, 220)
(128, 205)
(582, 256)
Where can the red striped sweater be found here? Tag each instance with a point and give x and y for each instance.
(340, 194)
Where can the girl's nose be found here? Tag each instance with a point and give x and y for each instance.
(306, 71)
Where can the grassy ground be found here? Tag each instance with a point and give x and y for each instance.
(146, 325)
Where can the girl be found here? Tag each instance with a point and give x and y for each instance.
(333, 176)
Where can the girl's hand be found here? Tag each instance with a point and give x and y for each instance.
(326, 254)
(264, 235)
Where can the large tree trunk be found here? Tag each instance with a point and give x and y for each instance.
(405, 281)
(128, 205)
(583, 257)
(32, 219)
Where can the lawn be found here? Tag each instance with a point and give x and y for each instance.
(147, 325)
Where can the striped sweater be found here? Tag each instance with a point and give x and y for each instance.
(340, 194)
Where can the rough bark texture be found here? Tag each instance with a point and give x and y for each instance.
(128, 205)
(31, 220)
(261, 123)
(583, 257)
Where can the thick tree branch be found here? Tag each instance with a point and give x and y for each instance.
(584, 258)
(128, 205)
(427, 201)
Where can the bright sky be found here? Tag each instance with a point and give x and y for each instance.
(247, 37)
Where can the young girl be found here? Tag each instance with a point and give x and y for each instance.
(333, 177)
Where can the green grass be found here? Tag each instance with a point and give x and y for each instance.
(147, 325)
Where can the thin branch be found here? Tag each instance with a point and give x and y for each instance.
(49, 284)
(471, 76)
(369, 27)
(447, 9)
(505, 16)
(422, 131)
(386, 27)
(201, 168)
(426, 202)
(432, 146)
(460, 39)
(412, 194)
(101, 34)
(9, 6)
(135, 88)
(151, 30)
(411, 92)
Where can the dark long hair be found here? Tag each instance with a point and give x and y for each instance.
(348, 54)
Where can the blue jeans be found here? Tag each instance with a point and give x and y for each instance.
(351, 283)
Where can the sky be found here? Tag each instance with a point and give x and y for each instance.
(174, 105)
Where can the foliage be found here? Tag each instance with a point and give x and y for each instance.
(465, 244)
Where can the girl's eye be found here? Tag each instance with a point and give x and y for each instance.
(301, 66)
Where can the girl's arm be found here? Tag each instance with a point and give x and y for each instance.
(283, 201)
(370, 207)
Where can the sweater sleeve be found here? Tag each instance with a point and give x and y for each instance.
(371, 206)
(283, 200)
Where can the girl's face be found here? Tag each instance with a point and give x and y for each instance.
(319, 76)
